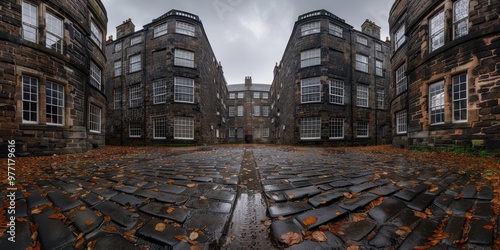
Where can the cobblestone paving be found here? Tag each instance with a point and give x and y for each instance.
(254, 197)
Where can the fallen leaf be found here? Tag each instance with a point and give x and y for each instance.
(88, 223)
(488, 227)
(107, 218)
(110, 229)
(193, 236)
(403, 230)
(433, 189)
(79, 236)
(57, 216)
(160, 227)
(203, 197)
(291, 196)
(348, 195)
(192, 185)
(36, 211)
(182, 238)
(170, 210)
(291, 238)
(280, 218)
(353, 247)
(91, 244)
(309, 220)
(319, 236)
(79, 243)
(359, 217)
(421, 215)
(197, 247)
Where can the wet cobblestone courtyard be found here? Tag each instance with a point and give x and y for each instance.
(254, 197)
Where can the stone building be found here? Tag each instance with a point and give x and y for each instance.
(446, 73)
(249, 112)
(332, 84)
(164, 84)
(51, 72)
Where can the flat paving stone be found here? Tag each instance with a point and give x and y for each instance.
(111, 241)
(161, 196)
(213, 223)
(419, 236)
(356, 203)
(22, 237)
(63, 201)
(421, 202)
(443, 201)
(406, 195)
(105, 192)
(325, 198)
(420, 188)
(469, 191)
(166, 237)
(126, 200)
(203, 179)
(287, 208)
(276, 196)
(385, 190)
(118, 214)
(385, 238)
(53, 234)
(454, 228)
(21, 209)
(278, 187)
(386, 210)
(221, 195)
(91, 198)
(485, 193)
(126, 189)
(484, 210)
(339, 184)
(281, 227)
(85, 220)
(210, 205)
(461, 206)
(357, 181)
(322, 215)
(478, 234)
(358, 230)
(406, 218)
(300, 184)
(300, 193)
(160, 210)
(173, 189)
(36, 199)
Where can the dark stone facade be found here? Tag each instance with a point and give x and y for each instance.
(332, 119)
(49, 103)
(177, 87)
(465, 62)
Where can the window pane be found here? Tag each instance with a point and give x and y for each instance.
(183, 128)
(337, 92)
(437, 31)
(436, 102)
(30, 100)
(311, 90)
(54, 104)
(362, 95)
(336, 128)
(160, 128)
(160, 91)
(185, 28)
(161, 29)
(183, 90)
(310, 28)
(184, 58)
(460, 98)
(310, 128)
(310, 58)
(95, 119)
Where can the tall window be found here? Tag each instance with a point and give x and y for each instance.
(161, 29)
(310, 90)
(95, 119)
(460, 18)
(362, 129)
(184, 58)
(96, 34)
(362, 63)
(135, 40)
(437, 31)
(30, 100)
(256, 95)
(232, 111)
(95, 75)
(241, 95)
(265, 132)
(135, 96)
(232, 132)
(265, 111)
(54, 28)
(160, 128)
(337, 92)
(256, 110)
(310, 58)
(436, 102)
(118, 68)
(310, 128)
(400, 37)
(118, 47)
(336, 128)
(380, 98)
(310, 28)
(239, 133)
(183, 90)
(362, 96)
(232, 95)
(185, 28)
(265, 95)
(183, 128)
(135, 63)
(460, 98)
(240, 110)
(54, 104)
(362, 40)
(335, 30)
(379, 65)
(135, 129)
(117, 94)
(160, 91)
(30, 22)
(401, 79)
(401, 124)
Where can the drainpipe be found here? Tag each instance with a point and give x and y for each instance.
(352, 87)
(376, 95)
(143, 62)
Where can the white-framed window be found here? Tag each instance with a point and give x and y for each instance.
(310, 58)
(118, 68)
(232, 132)
(232, 111)
(135, 129)
(265, 132)
(460, 98)
(436, 30)
(362, 129)
(310, 128)
(401, 122)
(241, 95)
(217, 134)
(118, 47)
(362, 40)
(118, 98)
(30, 22)
(54, 104)
(256, 110)
(54, 35)
(460, 18)
(96, 34)
(160, 91)
(379, 65)
(256, 95)
(160, 128)
(95, 118)
(135, 40)
(183, 90)
(184, 58)
(310, 28)
(362, 96)
(240, 111)
(135, 63)
(185, 28)
(310, 90)
(183, 128)
(400, 37)
(336, 30)
(337, 92)
(380, 98)
(401, 84)
(232, 96)
(30, 100)
(362, 63)
(378, 47)
(265, 95)
(436, 102)
(265, 111)
(336, 128)
(95, 75)
(135, 96)
(160, 30)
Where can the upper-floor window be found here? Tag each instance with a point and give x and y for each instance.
(241, 95)
(265, 95)
(310, 90)
(183, 90)
(378, 47)
(135, 40)
(256, 110)
(240, 110)
(135, 63)
(380, 98)
(54, 104)
(160, 91)
(362, 63)
(460, 18)
(362, 95)
(95, 75)
(401, 79)
(118, 97)
(379, 65)
(185, 28)
(135, 96)
(54, 35)
(337, 92)
(118, 47)
(96, 34)
(232, 95)
(118, 68)
(310, 28)
(400, 37)
(436, 102)
(310, 58)
(336, 30)
(232, 111)
(256, 95)
(436, 31)
(460, 98)
(265, 111)
(184, 58)
(362, 40)
(161, 29)
(30, 22)
(30, 100)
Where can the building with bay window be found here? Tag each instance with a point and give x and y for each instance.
(52, 83)
(164, 84)
(445, 64)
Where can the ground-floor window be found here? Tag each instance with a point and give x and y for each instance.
(265, 132)
(232, 132)
(460, 98)
(401, 124)
(184, 128)
(95, 119)
(310, 128)
(135, 129)
(160, 128)
(240, 133)
(436, 102)
(362, 129)
(337, 128)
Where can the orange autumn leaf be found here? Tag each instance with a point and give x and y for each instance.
(110, 229)
(421, 215)
(488, 227)
(193, 236)
(57, 216)
(88, 223)
(160, 227)
(309, 220)
(291, 238)
(359, 217)
(348, 195)
(170, 210)
(319, 236)
(36, 211)
(192, 185)
(107, 218)
(182, 238)
(79, 243)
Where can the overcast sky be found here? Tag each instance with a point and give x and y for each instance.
(248, 36)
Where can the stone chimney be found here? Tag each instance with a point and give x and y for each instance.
(125, 28)
(370, 28)
(248, 82)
